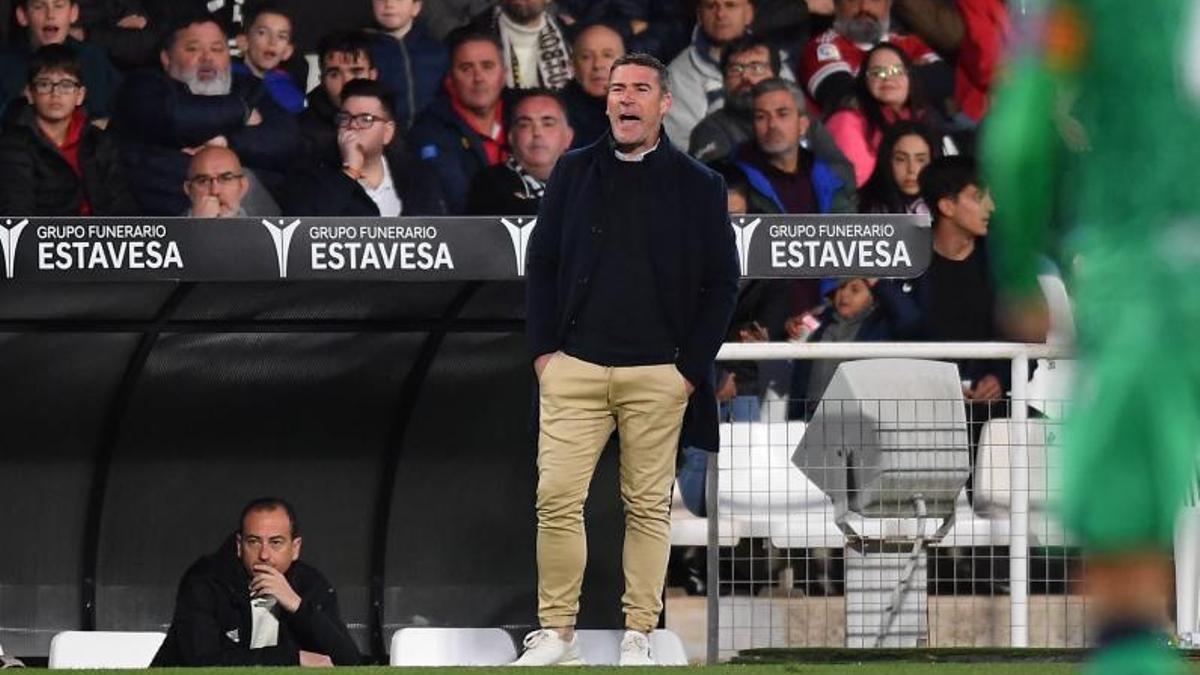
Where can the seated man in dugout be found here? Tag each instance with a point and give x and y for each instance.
(254, 603)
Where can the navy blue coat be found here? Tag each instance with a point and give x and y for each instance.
(455, 150)
(325, 190)
(413, 68)
(695, 259)
(157, 116)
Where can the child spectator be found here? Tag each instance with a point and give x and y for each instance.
(894, 187)
(859, 310)
(410, 62)
(265, 43)
(48, 22)
(52, 161)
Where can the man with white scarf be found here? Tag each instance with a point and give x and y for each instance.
(536, 50)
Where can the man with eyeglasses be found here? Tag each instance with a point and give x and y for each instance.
(375, 176)
(48, 22)
(216, 185)
(52, 161)
(744, 63)
(832, 59)
(254, 603)
(697, 78)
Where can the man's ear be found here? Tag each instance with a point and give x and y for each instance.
(28, 95)
(164, 59)
(296, 543)
(22, 17)
(74, 13)
(945, 207)
(389, 133)
(80, 96)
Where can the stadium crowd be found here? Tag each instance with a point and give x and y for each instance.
(203, 109)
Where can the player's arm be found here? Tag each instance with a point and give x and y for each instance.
(1023, 145)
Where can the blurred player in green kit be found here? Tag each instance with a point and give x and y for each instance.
(1098, 127)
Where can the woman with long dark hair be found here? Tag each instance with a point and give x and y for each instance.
(907, 148)
(884, 93)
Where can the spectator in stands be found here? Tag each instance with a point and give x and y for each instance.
(52, 161)
(744, 63)
(586, 96)
(539, 134)
(788, 178)
(535, 47)
(784, 176)
(646, 26)
(462, 131)
(163, 118)
(343, 56)
(832, 59)
(266, 42)
(696, 81)
(884, 94)
(376, 176)
(858, 310)
(216, 184)
(48, 22)
(957, 294)
(894, 187)
(410, 61)
(632, 278)
(255, 603)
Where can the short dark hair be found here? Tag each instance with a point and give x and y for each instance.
(536, 92)
(345, 42)
(947, 177)
(461, 36)
(257, 9)
(185, 20)
(646, 61)
(774, 84)
(745, 44)
(371, 89)
(50, 58)
(270, 504)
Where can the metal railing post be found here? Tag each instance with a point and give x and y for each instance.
(1019, 482)
(712, 554)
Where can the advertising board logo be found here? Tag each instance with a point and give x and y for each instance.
(281, 235)
(743, 233)
(519, 230)
(10, 234)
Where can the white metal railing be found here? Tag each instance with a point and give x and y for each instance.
(1018, 353)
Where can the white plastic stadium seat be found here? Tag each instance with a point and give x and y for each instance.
(1041, 453)
(104, 649)
(452, 647)
(603, 647)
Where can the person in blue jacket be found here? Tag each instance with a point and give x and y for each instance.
(411, 62)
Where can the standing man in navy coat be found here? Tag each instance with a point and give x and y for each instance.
(632, 278)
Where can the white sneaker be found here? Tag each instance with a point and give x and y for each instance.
(545, 648)
(635, 650)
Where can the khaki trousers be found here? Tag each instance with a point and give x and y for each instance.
(580, 404)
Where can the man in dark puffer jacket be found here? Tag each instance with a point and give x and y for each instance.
(52, 161)
(254, 603)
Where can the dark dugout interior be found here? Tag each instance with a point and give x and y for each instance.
(137, 418)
